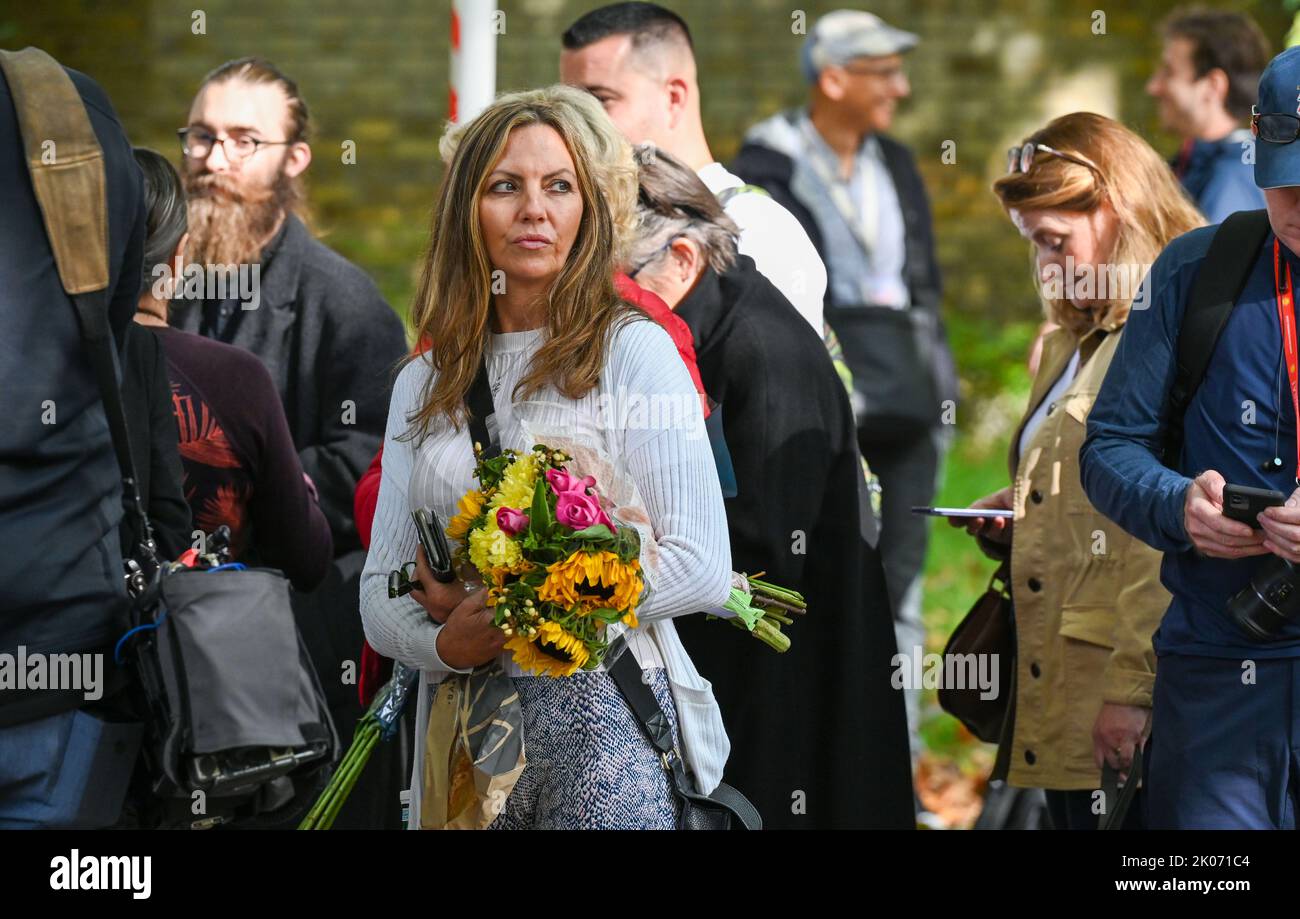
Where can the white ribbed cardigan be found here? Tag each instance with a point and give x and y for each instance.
(672, 466)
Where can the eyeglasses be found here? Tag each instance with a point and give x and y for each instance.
(885, 73)
(1274, 127)
(197, 144)
(1021, 158)
(653, 255)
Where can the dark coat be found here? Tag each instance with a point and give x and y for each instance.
(817, 729)
(332, 346)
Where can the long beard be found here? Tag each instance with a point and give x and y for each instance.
(229, 225)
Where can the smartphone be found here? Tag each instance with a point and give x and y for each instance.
(435, 545)
(987, 513)
(1244, 504)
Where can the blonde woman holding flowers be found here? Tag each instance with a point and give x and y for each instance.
(518, 276)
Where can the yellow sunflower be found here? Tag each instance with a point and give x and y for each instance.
(551, 652)
(593, 579)
(471, 505)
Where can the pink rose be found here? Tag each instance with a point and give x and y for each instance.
(510, 521)
(562, 482)
(578, 511)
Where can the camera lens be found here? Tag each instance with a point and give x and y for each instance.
(1269, 603)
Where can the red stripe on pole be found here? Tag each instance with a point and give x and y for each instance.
(455, 31)
(451, 104)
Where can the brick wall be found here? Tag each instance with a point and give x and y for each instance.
(375, 72)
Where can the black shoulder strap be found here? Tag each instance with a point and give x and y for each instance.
(483, 429)
(1219, 282)
(629, 678)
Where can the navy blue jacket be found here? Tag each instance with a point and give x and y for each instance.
(61, 584)
(1239, 418)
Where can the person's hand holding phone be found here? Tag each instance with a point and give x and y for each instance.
(994, 529)
(1212, 533)
(1281, 526)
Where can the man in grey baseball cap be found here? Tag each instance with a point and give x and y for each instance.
(860, 197)
(840, 37)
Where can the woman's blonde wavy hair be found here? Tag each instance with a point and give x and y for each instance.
(453, 297)
(1150, 204)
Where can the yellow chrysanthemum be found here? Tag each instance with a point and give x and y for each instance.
(593, 579)
(516, 488)
(551, 652)
(471, 505)
(490, 548)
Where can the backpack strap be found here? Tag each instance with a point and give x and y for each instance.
(1219, 281)
(67, 169)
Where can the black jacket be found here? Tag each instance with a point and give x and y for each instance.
(332, 346)
(822, 718)
(61, 581)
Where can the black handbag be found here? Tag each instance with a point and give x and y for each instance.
(724, 808)
(989, 628)
(894, 356)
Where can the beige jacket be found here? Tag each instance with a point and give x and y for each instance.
(1087, 595)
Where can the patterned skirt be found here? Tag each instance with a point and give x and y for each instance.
(590, 765)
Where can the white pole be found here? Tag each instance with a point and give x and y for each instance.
(473, 57)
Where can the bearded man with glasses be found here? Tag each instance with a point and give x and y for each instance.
(319, 325)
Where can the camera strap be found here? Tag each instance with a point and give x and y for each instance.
(1286, 321)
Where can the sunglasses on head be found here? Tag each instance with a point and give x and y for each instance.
(1021, 157)
(1274, 127)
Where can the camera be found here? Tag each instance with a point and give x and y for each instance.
(1270, 602)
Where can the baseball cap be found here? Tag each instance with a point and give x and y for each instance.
(1278, 165)
(843, 35)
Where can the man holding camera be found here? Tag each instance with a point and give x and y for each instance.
(1225, 736)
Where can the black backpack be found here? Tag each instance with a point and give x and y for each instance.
(1219, 282)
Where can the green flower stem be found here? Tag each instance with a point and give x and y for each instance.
(769, 603)
(763, 588)
(350, 776)
(772, 636)
(773, 615)
(327, 806)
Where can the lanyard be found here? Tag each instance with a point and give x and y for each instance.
(1286, 320)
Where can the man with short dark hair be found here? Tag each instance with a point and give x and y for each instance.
(319, 325)
(638, 59)
(1205, 84)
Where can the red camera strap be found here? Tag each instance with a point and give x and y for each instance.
(1286, 320)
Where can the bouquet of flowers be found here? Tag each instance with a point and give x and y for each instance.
(558, 569)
